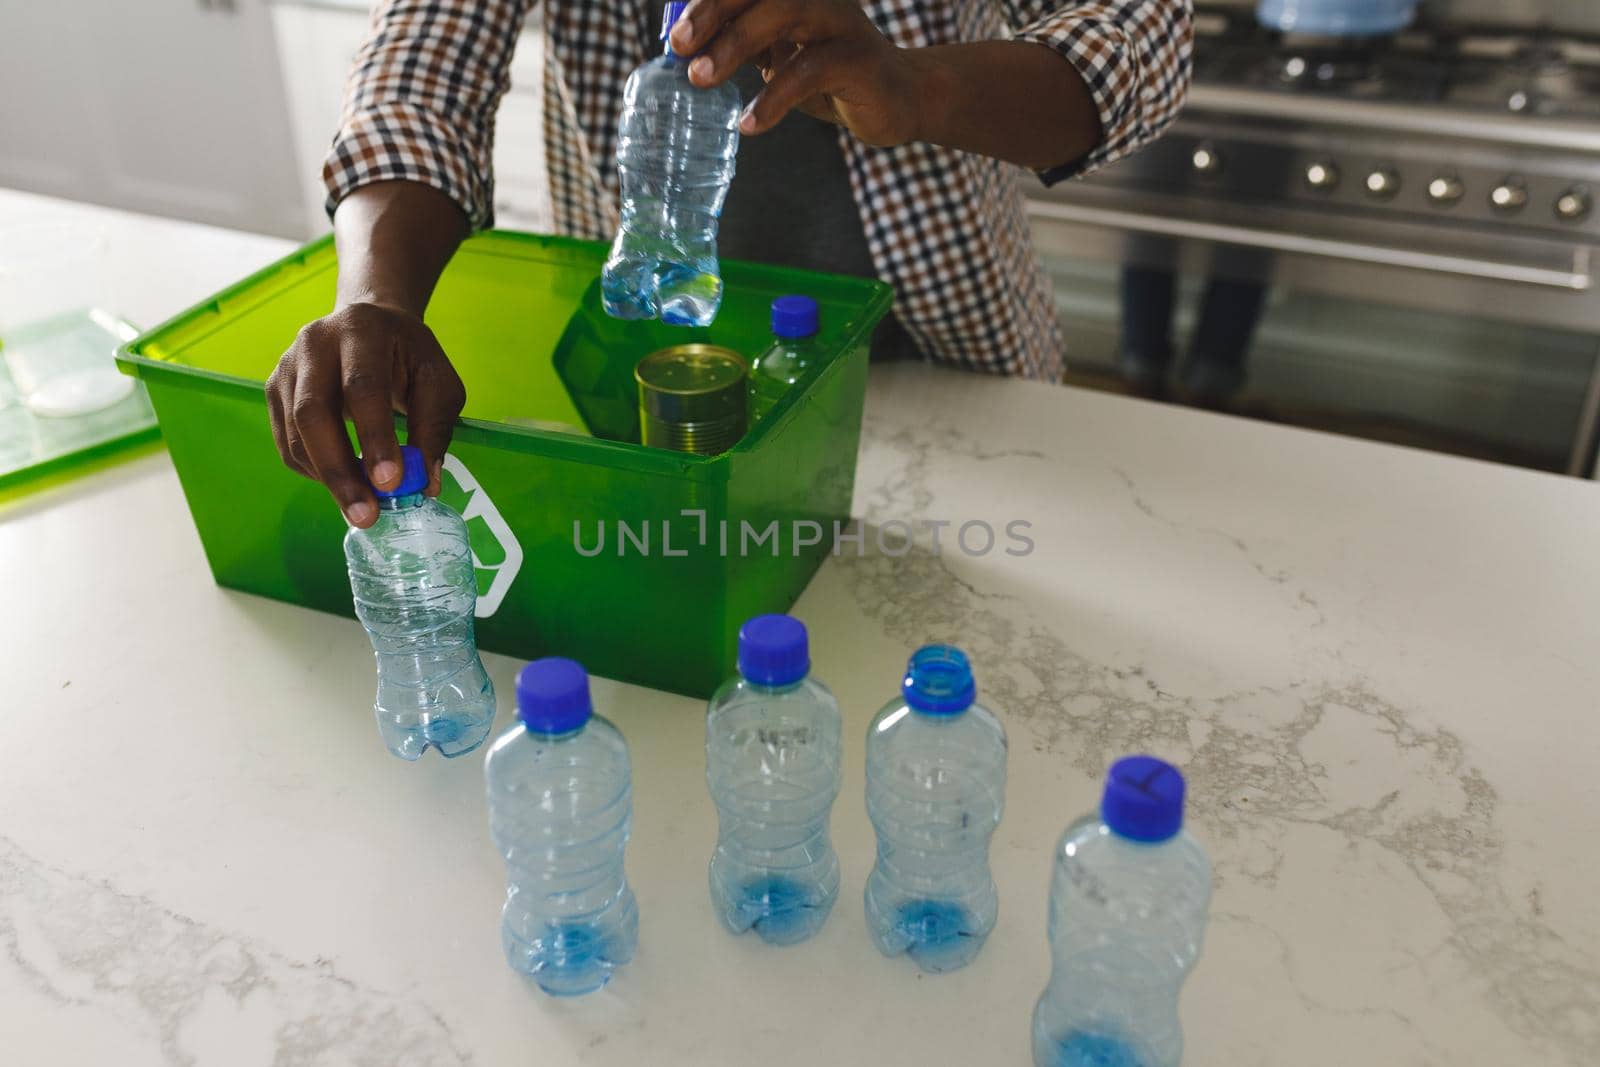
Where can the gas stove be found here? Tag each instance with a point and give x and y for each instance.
(1533, 74)
(1495, 129)
(1452, 168)
(1467, 157)
(1544, 76)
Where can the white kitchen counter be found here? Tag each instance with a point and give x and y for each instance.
(1376, 666)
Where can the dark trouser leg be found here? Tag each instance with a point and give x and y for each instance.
(1148, 294)
(1228, 317)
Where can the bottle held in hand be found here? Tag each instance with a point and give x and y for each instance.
(415, 590)
(676, 145)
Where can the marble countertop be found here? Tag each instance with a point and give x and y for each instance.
(1377, 667)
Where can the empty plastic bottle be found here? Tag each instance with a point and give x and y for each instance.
(775, 371)
(772, 763)
(412, 577)
(1128, 907)
(936, 779)
(560, 810)
(675, 153)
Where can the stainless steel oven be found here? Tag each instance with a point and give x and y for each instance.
(1421, 207)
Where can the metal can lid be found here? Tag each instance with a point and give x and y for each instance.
(692, 383)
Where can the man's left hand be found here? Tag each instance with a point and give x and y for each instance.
(824, 57)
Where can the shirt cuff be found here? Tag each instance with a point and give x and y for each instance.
(401, 142)
(1135, 60)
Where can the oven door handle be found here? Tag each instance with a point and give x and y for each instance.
(1577, 280)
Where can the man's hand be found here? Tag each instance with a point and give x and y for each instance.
(365, 362)
(373, 356)
(1012, 100)
(824, 57)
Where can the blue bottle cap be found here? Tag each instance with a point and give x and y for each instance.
(794, 316)
(1143, 800)
(553, 696)
(413, 477)
(669, 17)
(773, 651)
(938, 681)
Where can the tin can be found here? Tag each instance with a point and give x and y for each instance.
(692, 398)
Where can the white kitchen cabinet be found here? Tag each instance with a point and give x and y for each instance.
(171, 107)
(316, 40)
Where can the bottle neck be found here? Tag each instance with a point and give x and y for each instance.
(1137, 842)
(400, 503)
(772, 690)
(939, 717)
(544, 737)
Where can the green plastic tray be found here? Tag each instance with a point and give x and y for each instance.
(38, 452)
(520, 317)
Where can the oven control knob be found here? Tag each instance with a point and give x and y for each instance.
(1446, 189)
(1206, 159)
(1322, 176)
(1509, 196)
(1574, 205)
(1383, 183)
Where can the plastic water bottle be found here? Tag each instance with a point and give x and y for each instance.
(675, 151)
(936, 780)
(415, 589)
(772, 763)
(560, 809)
(775, 371)
(1127, 912)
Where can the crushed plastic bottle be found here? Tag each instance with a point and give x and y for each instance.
(936, 779)
(412, 579)
(1128, 904)
(560, 811)
(772, 765)
(676, 145)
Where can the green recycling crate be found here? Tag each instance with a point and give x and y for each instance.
(637, 562)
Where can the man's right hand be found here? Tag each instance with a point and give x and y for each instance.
(366, 362)
(373, 356)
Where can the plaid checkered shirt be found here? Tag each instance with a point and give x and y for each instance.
(947, 229)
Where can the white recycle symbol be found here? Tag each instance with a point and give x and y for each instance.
(479, 506)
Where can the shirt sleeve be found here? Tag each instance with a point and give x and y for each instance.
(1135, 56)
(421, 98)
